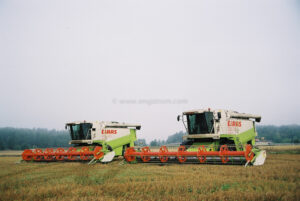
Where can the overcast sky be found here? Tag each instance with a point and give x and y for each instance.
(72, 60)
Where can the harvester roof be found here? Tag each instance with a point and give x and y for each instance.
(108, 124)
(229, 113)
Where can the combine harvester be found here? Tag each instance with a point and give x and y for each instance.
(93, 141)
(214, 136)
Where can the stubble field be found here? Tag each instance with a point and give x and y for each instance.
(278, 179)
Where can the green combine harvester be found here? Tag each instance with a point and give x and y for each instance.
(92, 141)
(213, 136)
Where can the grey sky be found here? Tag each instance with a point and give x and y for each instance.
(78, 60)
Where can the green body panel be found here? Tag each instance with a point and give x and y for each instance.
(239, 141)
(118, 145)
(210, 146)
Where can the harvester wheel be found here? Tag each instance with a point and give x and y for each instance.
(84, 153)
(181, 158)
(27, 155)
(223, 153)
(162, 157)
(60, 154)
(72, 153)
(38, 155)
(48, 154)
(248, 153)
(127, 155)
(144, 158)
(98, 153)
(200, 156)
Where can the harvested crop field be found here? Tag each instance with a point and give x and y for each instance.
(278, 179)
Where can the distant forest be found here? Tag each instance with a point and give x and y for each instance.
(23, 138)
(280, 134)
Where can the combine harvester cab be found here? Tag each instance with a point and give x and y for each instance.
(213, 136)
(92, 141)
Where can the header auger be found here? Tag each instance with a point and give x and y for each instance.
(71, 154)
(201, 155)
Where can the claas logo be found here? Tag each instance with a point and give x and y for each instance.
(109, 131)
(234, 123)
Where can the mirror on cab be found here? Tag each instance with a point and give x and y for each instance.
(178, 118)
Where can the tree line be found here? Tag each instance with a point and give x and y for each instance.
(23, 138)
(175, 138)
(280, 134)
